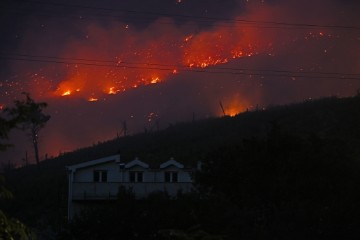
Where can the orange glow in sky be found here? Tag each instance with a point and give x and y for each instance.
(140, 58)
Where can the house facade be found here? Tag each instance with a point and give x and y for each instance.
(99, 180)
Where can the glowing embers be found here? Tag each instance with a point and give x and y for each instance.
(188, 38)
(69, 92)
(66, 93)
(92, 99)
(318, 35)
(147, 61)
(155, 80)
(112, 91)
(237, 54)
(206, 56)
(151, 58)
(151, 116)
(204, 63)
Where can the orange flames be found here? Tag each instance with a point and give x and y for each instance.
(150, 56)
(66, 93)
(92, 99)
(155, 80)
(233, 106)
(235, 109)
(112, 90)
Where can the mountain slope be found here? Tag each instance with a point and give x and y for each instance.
(41, 193)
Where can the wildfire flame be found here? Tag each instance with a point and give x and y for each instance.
(233, 111)
(66, 93)
(92, 99)
(188, 38)
(155, 80)
(132, 58)
(234, 106)
(112, 90)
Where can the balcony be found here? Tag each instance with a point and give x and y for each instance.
(109, 190)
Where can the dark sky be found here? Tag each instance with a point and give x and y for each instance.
(152, 63)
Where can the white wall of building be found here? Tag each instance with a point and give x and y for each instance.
(82, 186)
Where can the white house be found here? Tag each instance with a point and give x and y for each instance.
(100, 180)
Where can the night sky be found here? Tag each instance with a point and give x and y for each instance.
(152, 63)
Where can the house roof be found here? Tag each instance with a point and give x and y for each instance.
(171, 162)
(116, 159)
(113, 158)
(136, 162)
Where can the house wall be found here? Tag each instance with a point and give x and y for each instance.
(96, 191)
(83, 188)
(183, 175)
(86, 174)
(115, 174)
(148, 175)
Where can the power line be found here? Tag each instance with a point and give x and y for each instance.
(228, 20)
(164, 67)
(117, 63)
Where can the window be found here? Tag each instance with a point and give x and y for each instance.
(100, 176)
(136, 176)
(171, 176)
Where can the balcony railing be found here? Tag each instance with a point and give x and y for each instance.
(109, 190)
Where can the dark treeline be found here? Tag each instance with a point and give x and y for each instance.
(286, 187)
(279, 187)
(290, 172)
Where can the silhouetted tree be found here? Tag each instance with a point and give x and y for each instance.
(29, 116)
(10, 228)
(285, 186)
(5, 127)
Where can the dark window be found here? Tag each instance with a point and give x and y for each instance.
(104, 176)
(136, 176)
(122, 166)
(100, 176)
(96, 176)
(139, 176)
(132, 177)
(174, 176)
(171, 176)
(167, 177)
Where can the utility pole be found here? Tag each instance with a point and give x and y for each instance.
(222, 108)
(26, 159)
(124, 128)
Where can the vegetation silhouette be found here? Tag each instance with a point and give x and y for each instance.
(28, 115)
(288, 172)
